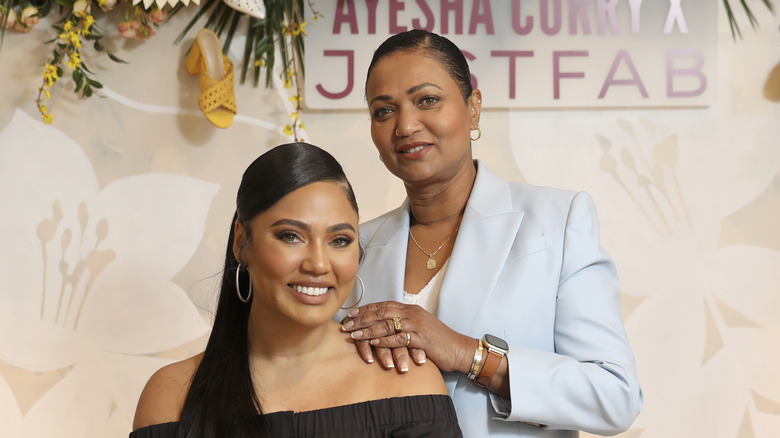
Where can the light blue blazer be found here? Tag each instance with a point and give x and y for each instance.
(527, 267)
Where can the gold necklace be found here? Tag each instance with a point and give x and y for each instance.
(431, 263)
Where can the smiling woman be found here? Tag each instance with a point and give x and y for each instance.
(276, 364)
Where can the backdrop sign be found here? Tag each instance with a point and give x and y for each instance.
(530, 53)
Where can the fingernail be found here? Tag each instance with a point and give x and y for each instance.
(421, 362)
(389, 364)
(356, 334)
(348, 325)
(373, 341)
(354, 313)
(404, 369)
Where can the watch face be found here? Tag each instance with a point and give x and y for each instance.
(497, 342)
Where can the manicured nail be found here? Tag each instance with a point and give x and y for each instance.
(356, 334)
(389, 364)
(354, 313)
(373, 341)
(404, 369)
(348, 325)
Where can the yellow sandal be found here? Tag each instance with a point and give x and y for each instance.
(217, 98)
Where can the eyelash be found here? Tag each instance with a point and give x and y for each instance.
(346, 241)
(376, 113)
(288, 236)
(426, 102)
(292, 237)
(434, 99)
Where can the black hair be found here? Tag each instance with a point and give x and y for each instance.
(438, 47)
(222, 401)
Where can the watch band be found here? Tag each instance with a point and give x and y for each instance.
(497, 348)
(491, 365)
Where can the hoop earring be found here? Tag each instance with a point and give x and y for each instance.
(362, 290)
(238, 286)
(479, 133)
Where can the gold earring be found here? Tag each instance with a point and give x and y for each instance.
(479, 133)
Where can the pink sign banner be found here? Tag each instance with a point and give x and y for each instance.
(529, 53)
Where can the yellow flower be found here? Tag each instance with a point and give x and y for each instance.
(46, 92)
(287, 131)
(50, 74)
(75, 41)
(297, 99)
(68, 25)
(294, 116)
(260, 62)
(74, 61)
(88, 22)
(300, 29)
(287, 83)
(303, 127)
(48, 119)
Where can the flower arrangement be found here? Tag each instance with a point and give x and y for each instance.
(75, 28)
(281, 27)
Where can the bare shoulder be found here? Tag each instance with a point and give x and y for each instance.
(427, 377)
(422, 379)
(163, 396)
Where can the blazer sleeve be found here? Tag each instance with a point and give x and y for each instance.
(589, 381)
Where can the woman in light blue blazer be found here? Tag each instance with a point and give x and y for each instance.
(502, 285)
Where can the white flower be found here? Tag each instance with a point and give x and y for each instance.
(82, 6)
(85, 279)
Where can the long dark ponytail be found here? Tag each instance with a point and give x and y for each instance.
(222, 401)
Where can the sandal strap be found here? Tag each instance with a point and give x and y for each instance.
(217, 94)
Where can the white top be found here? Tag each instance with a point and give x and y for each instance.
(428, 297)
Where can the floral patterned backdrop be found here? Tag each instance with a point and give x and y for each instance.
(114, 221)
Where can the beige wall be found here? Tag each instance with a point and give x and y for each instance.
(134, 191)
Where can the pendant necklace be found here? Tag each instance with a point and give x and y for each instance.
(431, 263)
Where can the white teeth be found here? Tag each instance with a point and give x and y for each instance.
(313, 291)
(413, 150)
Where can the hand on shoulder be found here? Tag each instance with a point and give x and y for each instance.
(163, 396)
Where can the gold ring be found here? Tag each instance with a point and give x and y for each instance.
(408, 339)
(397, 324)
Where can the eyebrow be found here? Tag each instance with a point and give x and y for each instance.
(416, 88)
(307, 227)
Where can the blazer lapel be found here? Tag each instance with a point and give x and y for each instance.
(387, 249)
(481, 249)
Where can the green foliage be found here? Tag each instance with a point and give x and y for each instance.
(735, 31)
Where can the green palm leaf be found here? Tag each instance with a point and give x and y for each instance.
(735, 31)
